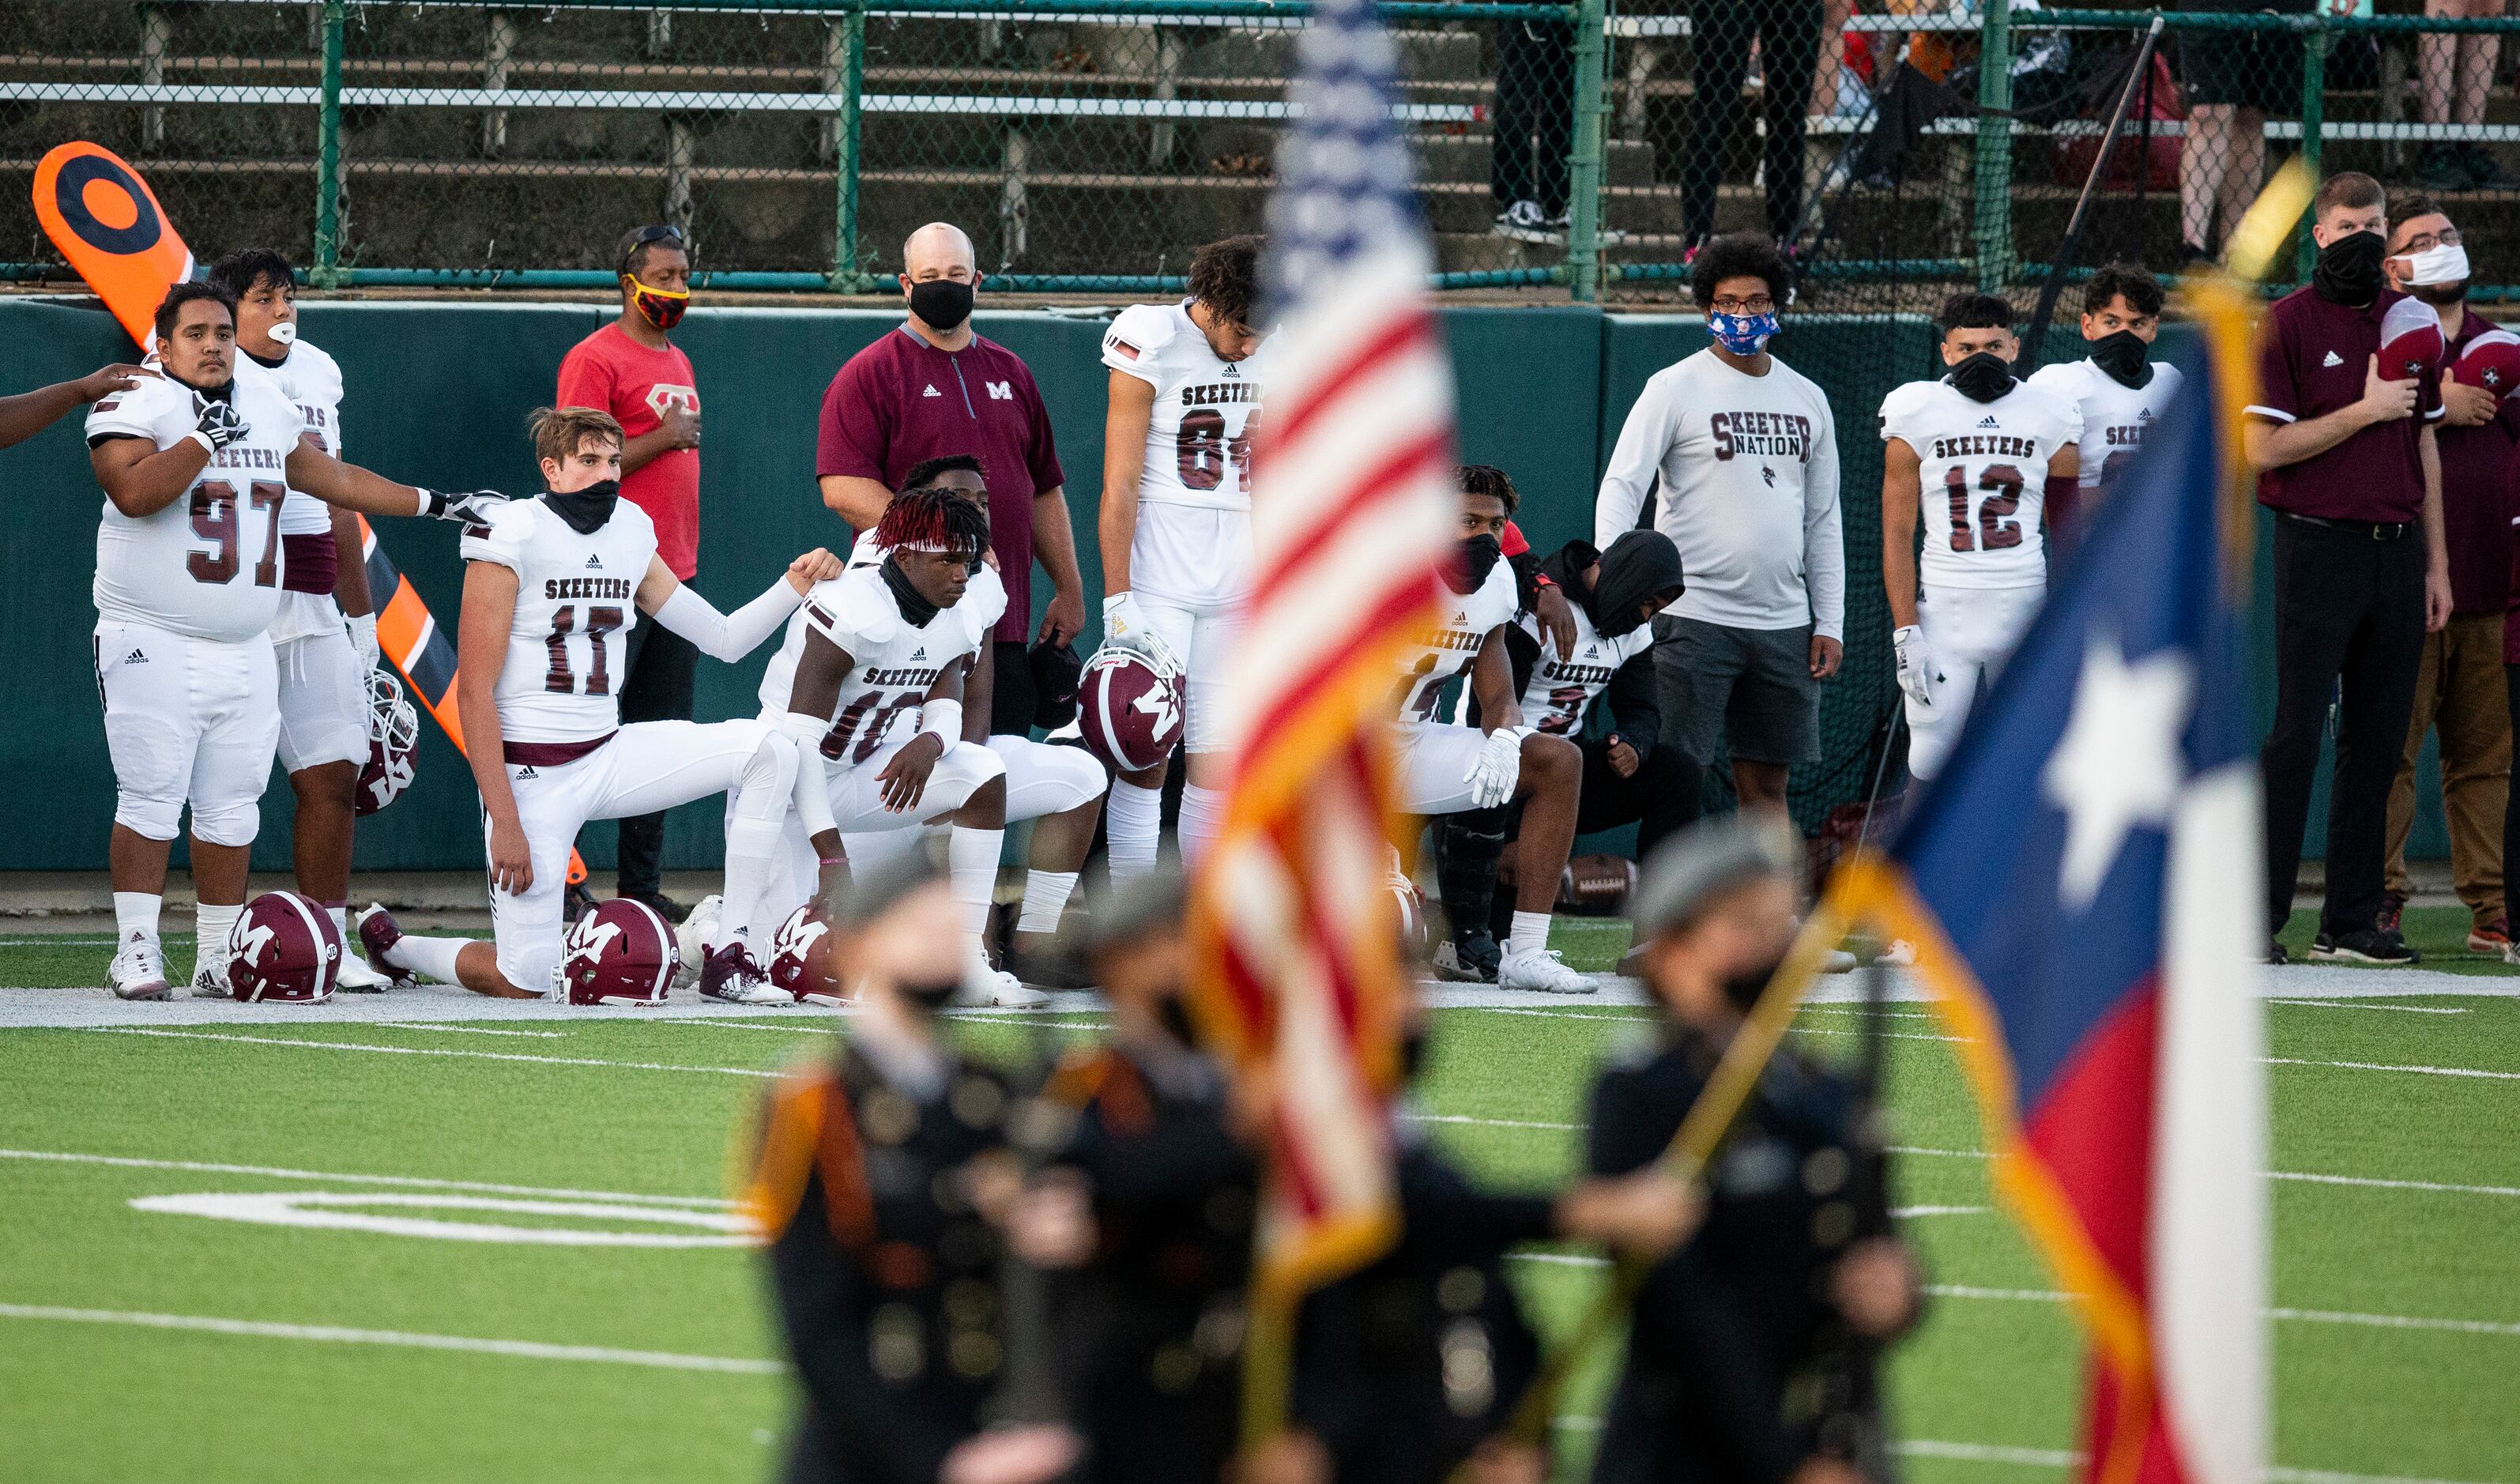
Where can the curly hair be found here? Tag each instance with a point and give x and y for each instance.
(1225, 276)
(1488, 479)
(927, 471)
(933, 520)
(1974, 311)
(1739, 254)
(2126, 281)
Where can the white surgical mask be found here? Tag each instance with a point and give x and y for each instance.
(2444, 264)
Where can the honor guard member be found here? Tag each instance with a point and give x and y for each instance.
(878, 1182)
(1750, 1348)
(1151, 1315)
(1415, 1365)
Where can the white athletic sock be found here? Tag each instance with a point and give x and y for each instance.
(972, 876)
(339, 913)
(428, 958)
(1045, 894)
(211, 923)
(1203, 816)
(135, 916)
(751, 849)
(1529, 934)
(1132, 818)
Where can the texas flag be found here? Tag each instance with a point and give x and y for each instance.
(2080, 885)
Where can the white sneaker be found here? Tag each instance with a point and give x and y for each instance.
(691, 938)
(139, 972)
(1899, 953)
(985, 987)
(358, 978)
(1543, 971)
(211, 979)
(1838, 961)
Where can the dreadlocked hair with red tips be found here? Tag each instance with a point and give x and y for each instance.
(933, 520)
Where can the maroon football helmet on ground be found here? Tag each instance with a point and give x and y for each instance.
(800, 958)
(283, 947)
(1130, 709)
(394, 743)
(619, 953)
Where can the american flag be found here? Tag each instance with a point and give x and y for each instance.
(1299, 969)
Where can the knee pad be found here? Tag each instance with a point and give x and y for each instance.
(151, 816)
(1203, 730)
(1044, 779)
(960, 774)
(766, 782)
(226, 822)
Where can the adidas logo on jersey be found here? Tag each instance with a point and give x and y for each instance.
(2331, 359)
(1592, 651)
(526, 772)
(918, 654)
(2143, 415)
(1232, 371)
(932, 391)
(1989, 422)
(594, 564)
(135, 657)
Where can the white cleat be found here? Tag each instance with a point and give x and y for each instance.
(1899, 953)
(1542, 972)
(139, 972)
(986, 987)
(691, 938)
(1838, 961)
(357, 977)
(211, 979)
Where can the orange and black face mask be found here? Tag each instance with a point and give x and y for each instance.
(660, 307)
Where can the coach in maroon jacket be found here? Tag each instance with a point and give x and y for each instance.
(2347, 460)
(934, 387)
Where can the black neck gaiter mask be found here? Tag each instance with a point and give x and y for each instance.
(915, 610)
(2125, 357)
(586, 510)
(1473, 560)
(2349, 270)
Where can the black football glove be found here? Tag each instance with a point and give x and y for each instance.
(471, 508)
(220, 424)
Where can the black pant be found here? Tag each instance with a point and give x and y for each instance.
(1535, 92)
(1010, 691)
(1719, 56)
(2349, 610)
(1660, 799)
(2511, 807)
(656, 685)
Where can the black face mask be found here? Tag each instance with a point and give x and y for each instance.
(929, 994)
(941, 303)
(2349, 269)
(1640, 567)
(1173, 1013)
(1742, 990)
(915, 611)
(586, 510)
(1983, 377)
(1473, 560)
(2125, 357)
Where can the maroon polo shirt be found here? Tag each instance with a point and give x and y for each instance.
(2476, 472)
(901, 400)
(2311, 360)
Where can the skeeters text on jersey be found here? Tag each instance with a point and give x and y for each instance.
(568, 642)
(1206, 409)
(1428, 664)
(894, 661)
(1561, 690)
(2116, 418)
(1982, 478)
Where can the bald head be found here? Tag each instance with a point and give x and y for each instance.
(938, 251)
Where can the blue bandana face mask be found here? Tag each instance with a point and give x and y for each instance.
(1741, 333)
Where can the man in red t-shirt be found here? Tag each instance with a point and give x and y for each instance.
(932, 388)
(632, 369)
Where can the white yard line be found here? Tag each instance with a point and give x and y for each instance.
(2391, 1066)
(1487, 1123)
(1988, 1452)
(662, 1360)
(2295, 1315)
(335, 1177)
(2438, 1186)
(2404, 1010)
(468, 1030)
(432, 1051)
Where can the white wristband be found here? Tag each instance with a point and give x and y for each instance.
(944, 718)
(202, 438)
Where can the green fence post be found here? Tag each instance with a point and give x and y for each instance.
(1585, 177)
(1993, 184)
(327, 272)
(844, 154)
(2314, 121)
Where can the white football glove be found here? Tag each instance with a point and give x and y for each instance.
(1124, 626)
(1917, 675)
(363, 638)
(1499, 767)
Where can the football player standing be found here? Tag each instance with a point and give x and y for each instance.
(2121, 392)
(551, 588)
(1176, 526)
(324, 632)
(194, 464)
(1973, 458)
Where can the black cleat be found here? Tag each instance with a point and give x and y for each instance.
(2368, 945)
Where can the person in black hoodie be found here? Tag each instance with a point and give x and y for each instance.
(1631, 775)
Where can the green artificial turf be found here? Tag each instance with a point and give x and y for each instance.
(83, 1401)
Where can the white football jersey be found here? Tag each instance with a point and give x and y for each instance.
(209, 564)
(1198, 436)
(984, 596)
(313, 380)
(1426, 665)
(1561, 690)
(1983, 479)
(568, 642)
(2116, 418)
(893, 661)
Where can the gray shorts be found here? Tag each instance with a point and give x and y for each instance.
(1738, 693)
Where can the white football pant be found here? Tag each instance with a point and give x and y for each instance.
(187, 720)
(323, 692)
(1969, 632)
(857, 807)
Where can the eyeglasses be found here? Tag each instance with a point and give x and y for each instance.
(1757, 306)
(647, 236)
(2447, 237)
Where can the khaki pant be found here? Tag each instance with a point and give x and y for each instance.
(2460, 690)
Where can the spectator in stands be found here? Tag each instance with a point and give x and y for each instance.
(2346, 458)
(30, 413)
(632, 369)
(2234, 80)
(2456, 74)
(1746, 452)
(2459, 685)
(1535, 93)
(935, 388)
(1719, 58)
